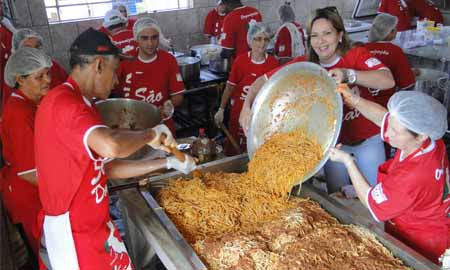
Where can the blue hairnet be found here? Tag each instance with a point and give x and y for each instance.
(25, 61)
(147, 22)
(419, 113)
(382, 25)
(113, 17)
(22, 34)
(254, 29)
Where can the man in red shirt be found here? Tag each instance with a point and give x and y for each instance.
(214, 22)
(121, 36)
(234, 32)
(154, 76)
(75, 152)
(289, 38)
(381, 34)
(399, 9)
(426, 9)
(411, 193)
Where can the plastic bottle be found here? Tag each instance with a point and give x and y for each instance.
(203, 147)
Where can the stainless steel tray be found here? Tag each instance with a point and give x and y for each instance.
(174, 251)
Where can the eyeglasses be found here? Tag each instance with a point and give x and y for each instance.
(259, 39)
(325, 11)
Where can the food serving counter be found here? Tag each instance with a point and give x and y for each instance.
(147, 225)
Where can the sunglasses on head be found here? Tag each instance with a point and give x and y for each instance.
(326, 10)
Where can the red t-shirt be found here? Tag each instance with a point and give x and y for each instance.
(243, 73)
(58, 74)
(130, 23)
(355, 127)
(283, 44)
(153, 81)
(395, 59)
(213, 23)
(426, 9)
(5, 52)
(72, 177)
(398, 9)
(124, 39)
(20, 197)
(103, 30)
(235, 26)
(410, 193)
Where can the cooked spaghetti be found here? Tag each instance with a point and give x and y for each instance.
(245, 221)
(218, 203)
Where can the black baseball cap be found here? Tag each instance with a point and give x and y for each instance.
(94, 42)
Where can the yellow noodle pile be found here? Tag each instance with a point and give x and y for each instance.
(282, 161)
(213, 204)
(244, 221)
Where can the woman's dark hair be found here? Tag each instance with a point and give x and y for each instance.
(332, 15)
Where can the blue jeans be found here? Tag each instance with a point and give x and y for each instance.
(368, 156)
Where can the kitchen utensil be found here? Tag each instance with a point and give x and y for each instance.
(189, 68)
(124, 113)
(220, 65)
(300, 95)
(232, 140)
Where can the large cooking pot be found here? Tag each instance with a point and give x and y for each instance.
(220, 65)
(189, 68)
(124, 113)
(206, 52)
(300, 95)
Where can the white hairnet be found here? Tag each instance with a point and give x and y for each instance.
(22, 34)
(25, 61)
(113, 17)
(382, 25)
(419, 113)
(255, 28)
(286, 13)
(147, 22)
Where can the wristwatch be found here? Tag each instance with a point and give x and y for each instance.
(351, 76)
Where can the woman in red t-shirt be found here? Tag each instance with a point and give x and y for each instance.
(245, 70)
(330, 47)
(26, 37)
(412, 189)
(27, 73)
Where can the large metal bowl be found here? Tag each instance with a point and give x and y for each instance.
(284, 104)
(124, 113)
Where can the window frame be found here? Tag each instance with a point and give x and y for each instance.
(57, 6)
